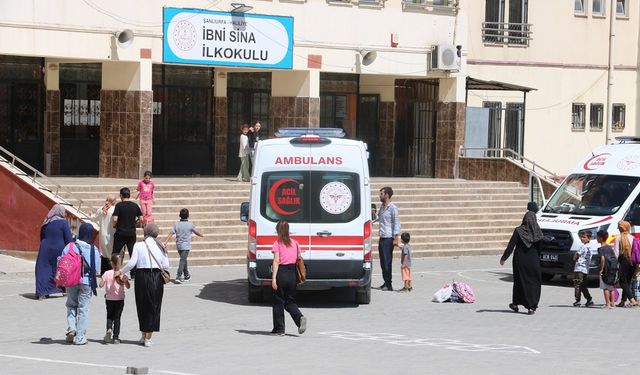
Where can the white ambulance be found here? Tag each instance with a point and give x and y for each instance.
(602, 190)
(319, 183)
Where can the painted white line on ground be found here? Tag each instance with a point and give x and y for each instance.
(450, 344)
(36, 359)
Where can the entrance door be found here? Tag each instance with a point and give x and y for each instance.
(415, 128)
(245, 106)
(80, 86)
(367, 127)
(513, 127)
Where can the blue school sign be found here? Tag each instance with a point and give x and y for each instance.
(194, 36)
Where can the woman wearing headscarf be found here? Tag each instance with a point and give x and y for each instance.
(79, 295)
(622, 248)
(55, 234)
(148, 257)
(527, 280)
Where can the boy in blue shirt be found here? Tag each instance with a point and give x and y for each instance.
(582, 258)
(182, 230)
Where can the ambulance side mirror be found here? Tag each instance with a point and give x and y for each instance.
(374, 213)
(244, 211)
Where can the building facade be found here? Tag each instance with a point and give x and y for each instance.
(94, 88)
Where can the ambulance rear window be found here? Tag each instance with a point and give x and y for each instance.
(310, 196)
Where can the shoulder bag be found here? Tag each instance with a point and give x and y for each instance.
(301, 271)
(166, 276)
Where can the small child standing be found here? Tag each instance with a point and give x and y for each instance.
(607, 255)
(145, 195)
(182, 230)
(582, 258)
(114, 299)
(405, 262)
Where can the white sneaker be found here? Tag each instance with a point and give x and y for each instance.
(147, 343)
(107, 337)
(303, 325)
(177, 281)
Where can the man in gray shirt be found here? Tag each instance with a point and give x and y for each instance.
(389, 234)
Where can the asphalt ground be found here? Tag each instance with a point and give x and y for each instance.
(208, 327)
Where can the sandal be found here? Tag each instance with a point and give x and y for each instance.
(513, 307)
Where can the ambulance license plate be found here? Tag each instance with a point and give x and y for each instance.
(549, 257)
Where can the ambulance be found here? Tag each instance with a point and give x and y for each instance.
(602, 190)
(318, 182)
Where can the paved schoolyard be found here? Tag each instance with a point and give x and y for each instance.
(209, 328)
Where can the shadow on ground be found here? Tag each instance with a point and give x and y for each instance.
(235, 292)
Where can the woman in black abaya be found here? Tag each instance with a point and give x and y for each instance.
(527, 280)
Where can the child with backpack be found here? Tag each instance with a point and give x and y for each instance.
(79, 294)
(608, 269)
(182, 230)
(405, 262)
(114, 299)
(582, 258)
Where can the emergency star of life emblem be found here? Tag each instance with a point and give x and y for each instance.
(184, 35)
(335, 197)
(629, 162)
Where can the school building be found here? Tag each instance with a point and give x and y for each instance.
(116, 88)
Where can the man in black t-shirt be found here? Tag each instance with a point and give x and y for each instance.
(125, 217)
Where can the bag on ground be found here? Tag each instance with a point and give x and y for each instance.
(443, 294)
(464, 291)
(69, 270)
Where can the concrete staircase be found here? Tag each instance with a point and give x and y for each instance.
(444, 217)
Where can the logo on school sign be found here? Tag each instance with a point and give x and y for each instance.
(193, 36)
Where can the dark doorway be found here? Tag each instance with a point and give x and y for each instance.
(367, 127)
(249, 95)
(182, 120)
(80, 119)
(513, 127)
(415, 128)
(22, 108)
(339, 102)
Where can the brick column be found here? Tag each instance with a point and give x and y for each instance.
(386, 137)
(449, 137)
(52, 132)
(126, 128)
(287, 111)
(220, 136)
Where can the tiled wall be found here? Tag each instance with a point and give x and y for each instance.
(384, 162)
(52, 130)
(220, 136)
(449, 137)
(497, 169)
(125, 133)
(293, 112)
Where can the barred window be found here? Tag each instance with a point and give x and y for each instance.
(578, 111)
(596, 116)
(617, 113)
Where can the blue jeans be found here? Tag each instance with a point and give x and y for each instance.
(78, 297)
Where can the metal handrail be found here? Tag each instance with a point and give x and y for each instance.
(515, 156)
(34, 173)
(506, 33)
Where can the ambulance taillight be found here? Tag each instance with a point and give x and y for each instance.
(251, 251)
(367, 241)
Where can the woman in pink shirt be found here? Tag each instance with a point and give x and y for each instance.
(283, 281)
(145, 195)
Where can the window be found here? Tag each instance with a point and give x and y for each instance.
(495, 128)
(622, 8)
(578, 7)
(617, 113)
(597, 7)
(518, 18)
(596, 115)
(494, 19)
(578, 116)
(301, 197)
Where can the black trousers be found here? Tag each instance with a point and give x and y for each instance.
(285, 297)
(120, 241)
(625, 272)
(385, 250)
(114, 312)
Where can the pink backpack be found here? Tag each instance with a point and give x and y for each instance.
(464, 291)
(69, 271)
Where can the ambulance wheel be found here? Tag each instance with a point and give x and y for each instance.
(547, 276)
(363, 295)
(255, 293)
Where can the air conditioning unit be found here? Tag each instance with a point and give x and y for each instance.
(445, 57)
